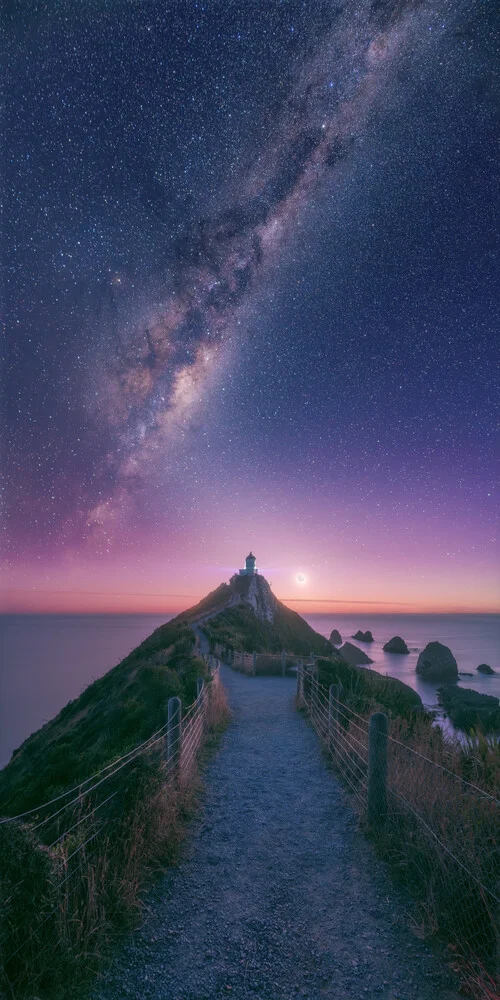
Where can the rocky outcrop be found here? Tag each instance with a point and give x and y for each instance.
(261, 598)
(437, 663)
(336, 638)
(363, 636)
(396, 645)
(484, 668)
(253, 620)
(353, 655)
(256, 592)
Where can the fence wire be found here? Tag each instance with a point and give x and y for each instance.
(439, 831)
(86, 817)
(258, 663)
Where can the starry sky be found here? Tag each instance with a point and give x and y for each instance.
(252, 301)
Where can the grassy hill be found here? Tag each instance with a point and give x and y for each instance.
(114, 714)
(239, 628)
(366, 690)
(73, 871)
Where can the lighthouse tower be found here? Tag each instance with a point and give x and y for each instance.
(250, 569)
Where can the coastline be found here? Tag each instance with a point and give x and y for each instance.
(50, 659)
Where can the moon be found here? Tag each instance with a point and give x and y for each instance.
(301, 579)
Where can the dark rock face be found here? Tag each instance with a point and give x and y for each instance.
(437, 663)
(354, 655)
(485, 669)
(396, 645)
(468, 709)
(335, 637)
(363, 636)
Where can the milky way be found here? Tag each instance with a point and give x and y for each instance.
(154, 389)
(251, 298)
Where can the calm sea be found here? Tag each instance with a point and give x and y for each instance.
(48, 659)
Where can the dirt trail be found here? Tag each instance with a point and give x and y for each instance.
(278, 894)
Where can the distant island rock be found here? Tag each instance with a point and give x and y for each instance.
(353, 655)
(336, 638)
(437, 663)
(363, 637)
(484, 668)
(396, 645)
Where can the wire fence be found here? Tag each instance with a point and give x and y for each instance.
(80, 825)
(253, 664)
(439, 832)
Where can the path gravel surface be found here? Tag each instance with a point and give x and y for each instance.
(278, 894)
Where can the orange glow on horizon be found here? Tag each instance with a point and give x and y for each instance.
(100, 602)
(156, 579)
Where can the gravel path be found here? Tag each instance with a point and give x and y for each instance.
(278, 894)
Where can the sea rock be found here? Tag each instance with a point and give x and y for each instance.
(335, 637)
(484, 668)
(437, 663)
(354, 655)
(363, 636)
(468, 709)
(396, 645)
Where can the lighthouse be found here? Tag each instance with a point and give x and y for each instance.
(250, 569)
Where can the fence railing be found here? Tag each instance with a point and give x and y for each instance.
(74, 824)
(255, 663)
(438, 830)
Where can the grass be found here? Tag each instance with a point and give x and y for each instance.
(440, 837)
(366, 690)
(63, 904)
(470, 710)
(238, 628)
(441, 840)
(112, 715)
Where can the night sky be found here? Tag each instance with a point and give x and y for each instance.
(251, 287)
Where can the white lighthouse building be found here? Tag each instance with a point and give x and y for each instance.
(250, 569)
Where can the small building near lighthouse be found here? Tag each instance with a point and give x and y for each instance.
(250, 569)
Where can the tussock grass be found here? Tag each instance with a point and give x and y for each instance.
(238, 628)
(64, 906)
(440, 838)
(441, 841)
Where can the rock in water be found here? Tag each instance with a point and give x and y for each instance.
(483, 668)
(396, 645)
(437, 663)
(363, 636)
(354, 655)
(336, 637)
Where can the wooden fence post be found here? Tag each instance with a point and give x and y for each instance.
(202, 690)
(174, 731)
(333, 715)
(299, 685)
(283, 664)
(254, 664)
(377, 770)
(315, 683)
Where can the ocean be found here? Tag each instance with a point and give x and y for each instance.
(46, 660)
(473, 639)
